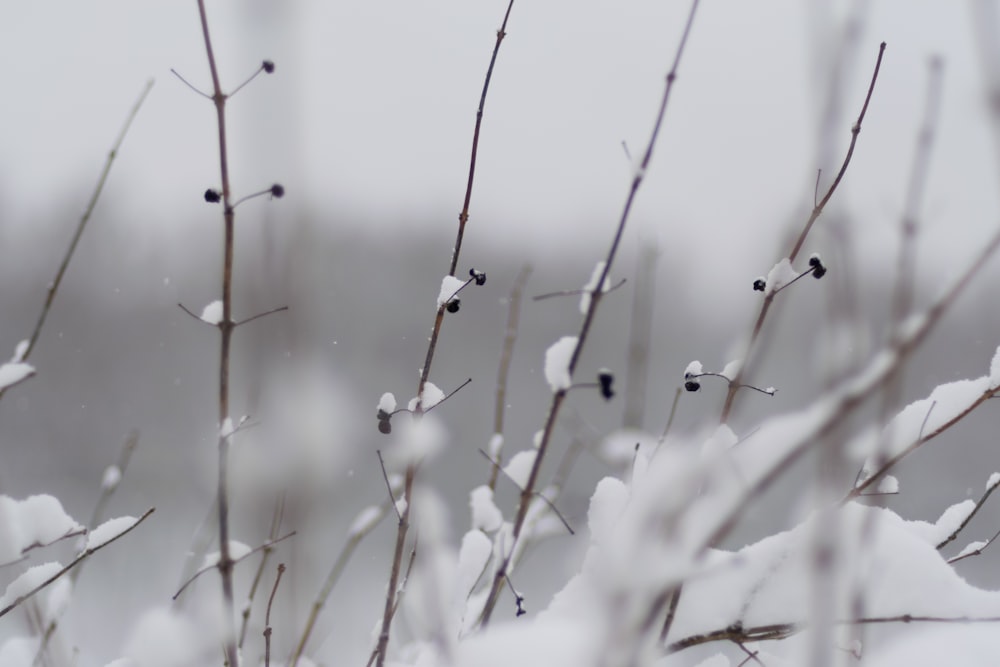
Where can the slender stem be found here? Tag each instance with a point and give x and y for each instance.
(403, 526)
(82, 224)
(816, 212)
(225, 330)
(560, 396)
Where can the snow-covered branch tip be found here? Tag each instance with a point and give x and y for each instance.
(451, 286)
(432, 397)
(782, 275)
(694, 372)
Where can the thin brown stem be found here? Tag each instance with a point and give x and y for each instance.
(510, 336)
(267, 616)
(403, 526)
(560, 395)
(800, 241)
(82, 225)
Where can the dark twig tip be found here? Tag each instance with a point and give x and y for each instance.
(277, 190)
(213, 196)
(268, 66)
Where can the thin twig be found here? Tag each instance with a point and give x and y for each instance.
(260, 315)
(538, 494)
(975, 552)
(576, 292)
(276, 519)
(334, 576)
(975, 510)
(411, 471)
(76, 561)
(816, 212)
(209, 568)
(190, 85)
(267, 616)
(776, 631)
(82, 225)
(388, 485)
(510, 336)
(560, 395)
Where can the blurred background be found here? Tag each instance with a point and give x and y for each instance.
(367, 122)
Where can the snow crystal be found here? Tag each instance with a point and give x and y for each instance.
(591, 285)
(557, 359)
(449, 285)
(112, 476)
(780, 274)
(109, 530)
(519, 467)
(888, 484)
(495, 446)
(387, 403)
(212, 313)
(20, 351)
(694, 368)
(993, 480)
(365, 520)
(485, 514)
(28, 581)
(13, 372)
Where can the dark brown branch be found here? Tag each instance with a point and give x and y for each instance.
(537, 494)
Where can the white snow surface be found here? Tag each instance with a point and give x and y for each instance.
(387, 403)
(694, 368)
(21, 350)
(212, 313)
(495, 446)
(13, 372)
(780, 274)
(591, 285)
(888, 484)
(365, 520)
(518, 469)
(732, 369)
(432, 395)
(237, 550)
(28, 580)
(993, 481)
(486, 515)
(557, 359)
(35, 521)
(111, 478)
(449, 285)
(109, 530)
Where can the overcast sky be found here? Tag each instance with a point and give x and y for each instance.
(368, 118)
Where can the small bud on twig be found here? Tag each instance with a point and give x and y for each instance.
(213, 196)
